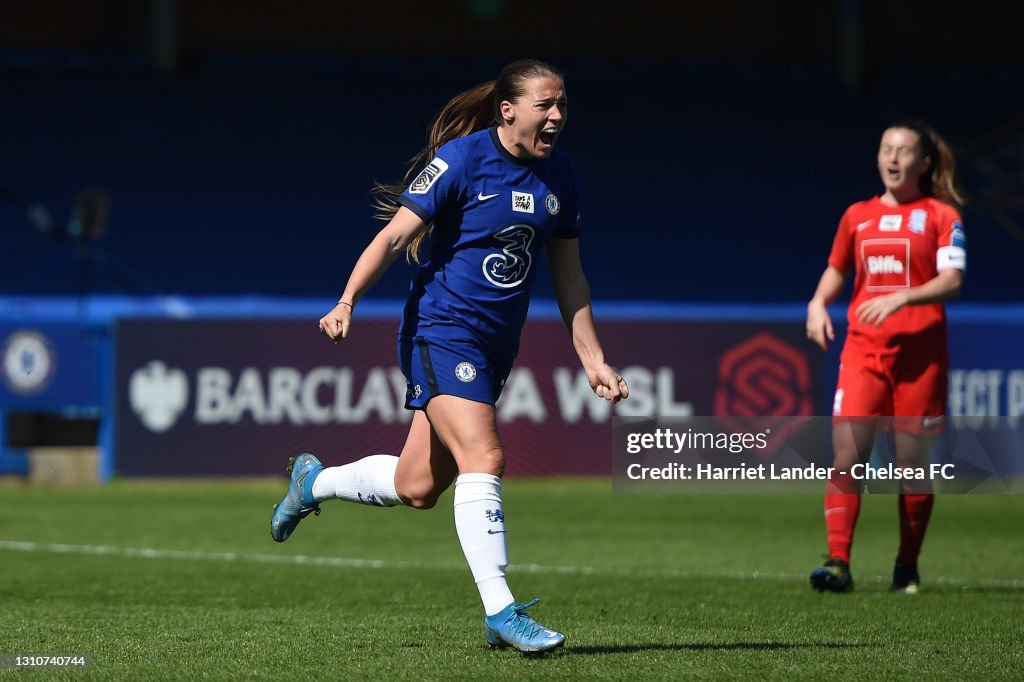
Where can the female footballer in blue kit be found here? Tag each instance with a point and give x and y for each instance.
(493, 195)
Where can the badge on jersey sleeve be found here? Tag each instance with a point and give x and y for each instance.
(886, 263)
(954, 255)
(428, 176)
(958, 238)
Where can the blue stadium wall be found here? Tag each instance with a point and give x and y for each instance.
(702, 182)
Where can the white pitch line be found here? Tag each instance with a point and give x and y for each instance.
(348, 562)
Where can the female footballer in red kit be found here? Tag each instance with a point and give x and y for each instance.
(906, 249)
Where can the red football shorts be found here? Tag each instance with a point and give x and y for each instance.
(911, 386)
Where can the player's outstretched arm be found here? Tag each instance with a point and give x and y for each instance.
(573, 295)
(375, 260)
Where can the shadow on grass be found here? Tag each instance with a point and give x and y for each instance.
(705, 646)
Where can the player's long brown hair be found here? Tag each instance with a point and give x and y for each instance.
(469, 111)
(939, 180)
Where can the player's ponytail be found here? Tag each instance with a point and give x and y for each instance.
(465, 113)
(939, 181)
(475, 109)
(942, 180)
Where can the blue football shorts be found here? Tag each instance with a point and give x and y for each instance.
(458, 367)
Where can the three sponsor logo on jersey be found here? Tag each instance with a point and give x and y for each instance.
(510, 267)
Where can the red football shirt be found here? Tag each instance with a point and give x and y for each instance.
(893, 248)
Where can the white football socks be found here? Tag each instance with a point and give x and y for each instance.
(480, 524)
(479, 516)
(371, 480)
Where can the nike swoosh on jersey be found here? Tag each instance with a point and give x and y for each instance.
(864, 225)
(484, 197)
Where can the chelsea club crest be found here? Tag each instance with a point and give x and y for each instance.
(465, 372)
(551, 204)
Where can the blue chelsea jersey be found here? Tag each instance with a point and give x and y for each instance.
(493, 214)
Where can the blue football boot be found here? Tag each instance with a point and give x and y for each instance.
(834, 576)
(511, 627)
(299, 502)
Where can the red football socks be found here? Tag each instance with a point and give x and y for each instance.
(915, 512)
(842, 507)
(841, 511)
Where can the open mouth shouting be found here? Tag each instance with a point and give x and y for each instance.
(548, 136)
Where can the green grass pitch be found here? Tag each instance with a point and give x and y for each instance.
(180, 580)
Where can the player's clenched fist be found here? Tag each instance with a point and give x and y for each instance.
(335, 324)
